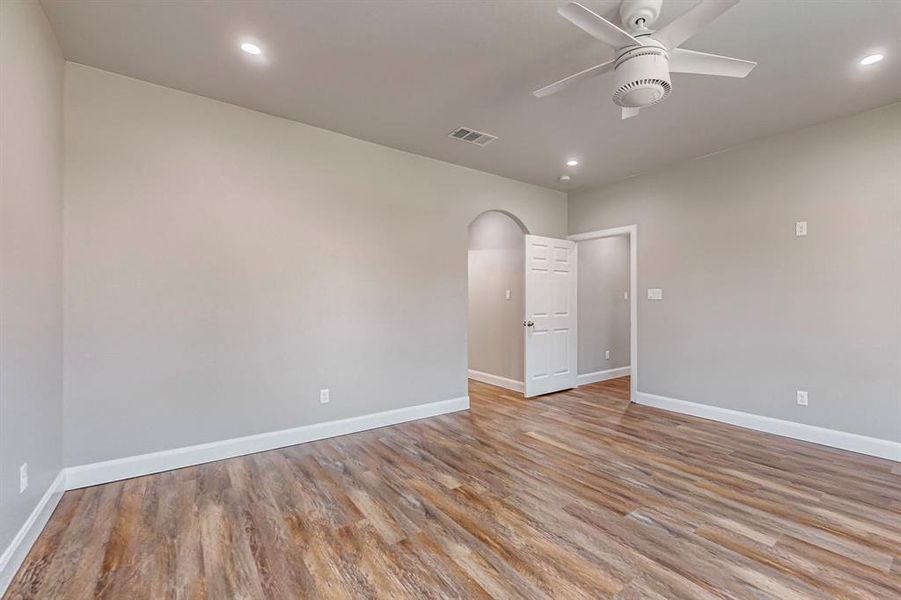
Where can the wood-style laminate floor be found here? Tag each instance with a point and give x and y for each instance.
(572, 495)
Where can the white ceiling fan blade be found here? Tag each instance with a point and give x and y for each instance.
(693, 21)
(628, 113)
(596, 26)
(701, 63)
(575, 78)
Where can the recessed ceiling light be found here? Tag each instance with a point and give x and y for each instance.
(871, 59)
(572, 163)
(251, 48)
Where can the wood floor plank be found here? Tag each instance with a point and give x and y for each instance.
(578, 494)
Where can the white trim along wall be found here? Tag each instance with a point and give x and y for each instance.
(509, 384)
(799, 431)
(155, 462)
(598, 376)
(18, 548)
(166, 460)
(517, 386)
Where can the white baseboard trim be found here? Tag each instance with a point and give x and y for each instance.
(510, 384)
(155, 462)
(597, 376)
(166, 460)
(15, 553)
(799, 431)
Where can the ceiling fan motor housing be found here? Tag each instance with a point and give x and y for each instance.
(642, 77)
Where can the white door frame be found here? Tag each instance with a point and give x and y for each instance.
(632, 232)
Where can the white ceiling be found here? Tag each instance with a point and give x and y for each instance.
(405, 73)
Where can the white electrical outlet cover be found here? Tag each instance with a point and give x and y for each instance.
(801, 228)
(23, 477)
(323, 396)
(802, 398)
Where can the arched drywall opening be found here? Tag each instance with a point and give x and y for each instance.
(495, 311)
(508, 214)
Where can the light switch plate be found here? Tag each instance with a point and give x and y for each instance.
(655, 294)
(323, 396)
(801, 228)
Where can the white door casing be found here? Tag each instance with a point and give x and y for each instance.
(550, 315)
(632, 232)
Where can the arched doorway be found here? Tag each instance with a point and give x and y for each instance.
(495, 309)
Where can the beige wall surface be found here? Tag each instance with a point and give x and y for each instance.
(31, 137)
(496, 264)
(223, 265)
(750, 312)
(603, 310)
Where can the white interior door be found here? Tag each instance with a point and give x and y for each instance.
(550, 316)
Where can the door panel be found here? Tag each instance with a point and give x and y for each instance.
(550, 319)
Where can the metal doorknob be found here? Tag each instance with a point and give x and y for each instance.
(528, 324)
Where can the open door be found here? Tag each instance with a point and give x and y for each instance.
(550, 316)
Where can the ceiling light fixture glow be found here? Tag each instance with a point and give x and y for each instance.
(871, 59)
(251, 48)
(572, 163)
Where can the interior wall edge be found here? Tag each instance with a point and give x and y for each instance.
(31, 311)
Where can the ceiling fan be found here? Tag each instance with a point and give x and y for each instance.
(645, 57)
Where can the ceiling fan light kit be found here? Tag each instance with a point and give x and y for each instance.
(642, 77)
(646, 57)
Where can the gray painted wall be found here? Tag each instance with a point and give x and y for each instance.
(751, 313)
(603, 310)
(496, 264)
(31, 84)
(223, 265)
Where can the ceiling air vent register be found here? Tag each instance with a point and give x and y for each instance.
(478, 138)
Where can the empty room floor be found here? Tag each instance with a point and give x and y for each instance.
(572, 495)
